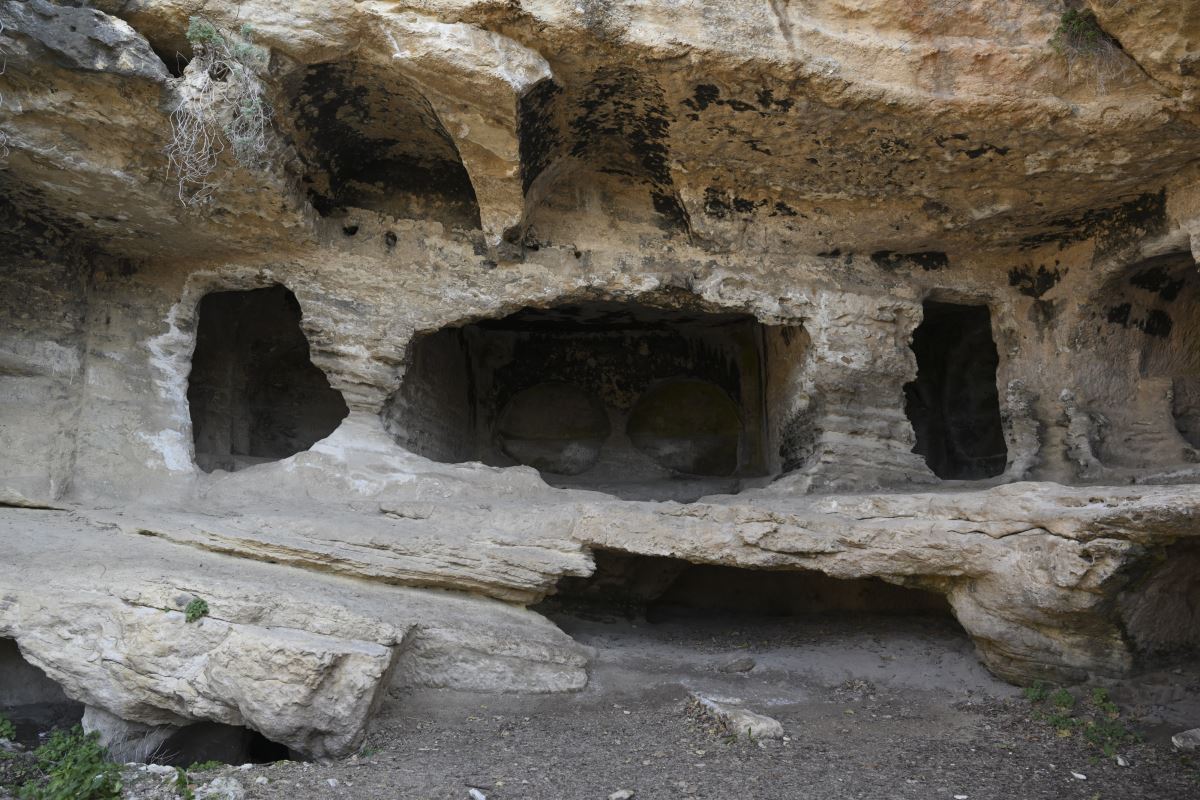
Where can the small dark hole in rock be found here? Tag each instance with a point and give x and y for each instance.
(350, 230)
(389, 239)
(206, 742)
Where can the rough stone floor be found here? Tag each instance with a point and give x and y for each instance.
(872, 707)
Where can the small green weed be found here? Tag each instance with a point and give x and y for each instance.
(1063, 699)
(182, 785)
(195, 610)
(73, 766)
(205, 766)
(7, 729)
(1036, 693)
(1097, 718)
(1078, 32)
(201, 31)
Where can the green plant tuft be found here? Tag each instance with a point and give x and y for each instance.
(1096, 718)
(1036, 693)
(73, 766)
(1063, 699)
(183, 786)
(1078, 32)
(201, 31)
(7, 729)
(204, 766)
(195, 610)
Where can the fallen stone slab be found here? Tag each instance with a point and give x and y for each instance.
(740, 721)
(1187, 740)
(302, 658)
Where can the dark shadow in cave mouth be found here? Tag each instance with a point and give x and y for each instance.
(253, 392)
(226, 744)
(30, 699)
(954, 404)
(661, 589)
(1160, 611)
(644, 401)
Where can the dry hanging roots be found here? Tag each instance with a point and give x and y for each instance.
(1090, 53)
(221, 106)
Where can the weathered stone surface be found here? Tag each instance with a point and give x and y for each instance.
(835, 174)
(1187, 740)
(739, 721)
(303, 663)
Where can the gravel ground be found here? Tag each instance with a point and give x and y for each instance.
(871, 707)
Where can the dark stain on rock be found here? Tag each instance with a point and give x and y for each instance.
(767, 101)
(720, 203)
(538, 134)
(1119, 315)
(623, 124)
(715, 204)
(1157, 323)
(1113, 227)
(706, 95)
(1034, 284)
(928, 260)
(976, 152)
(1157, 280)
(958, 143)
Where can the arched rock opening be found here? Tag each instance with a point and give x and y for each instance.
(637, 400)
(253, 392)
(954, 404)
(370, 140)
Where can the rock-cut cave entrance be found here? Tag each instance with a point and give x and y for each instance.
(668, 608)
(254, 394)
(659, 588)
(954, 405)
(646, 402)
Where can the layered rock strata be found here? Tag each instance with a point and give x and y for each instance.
(900, 291)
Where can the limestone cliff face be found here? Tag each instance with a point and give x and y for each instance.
(879, 289)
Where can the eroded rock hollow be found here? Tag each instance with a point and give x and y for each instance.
(374, 324)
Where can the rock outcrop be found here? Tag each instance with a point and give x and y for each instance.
(885, 290)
